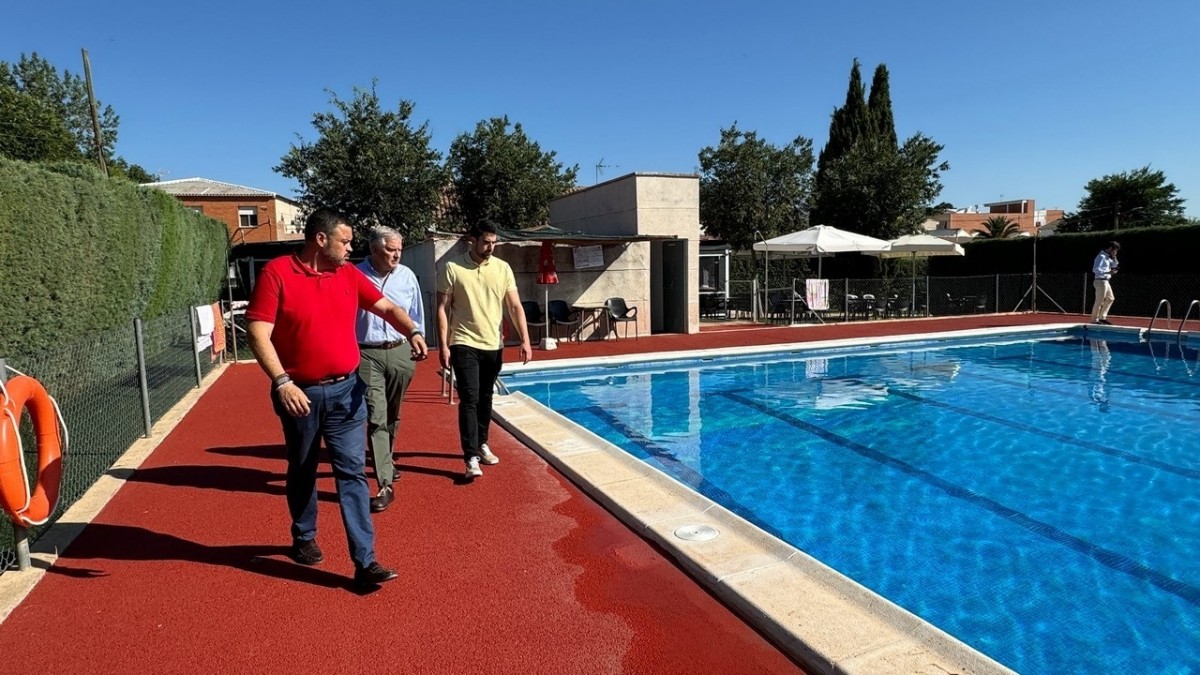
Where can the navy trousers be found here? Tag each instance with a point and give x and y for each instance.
(338, 415)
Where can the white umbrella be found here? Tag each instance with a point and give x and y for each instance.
(821, 240)
(954, 235)
(913, 245)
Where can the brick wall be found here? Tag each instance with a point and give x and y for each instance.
(225, 209)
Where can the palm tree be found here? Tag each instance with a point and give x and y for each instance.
(999, 227)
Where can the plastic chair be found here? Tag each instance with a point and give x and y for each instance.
(534, 316)
(619, 312)
(560, 315)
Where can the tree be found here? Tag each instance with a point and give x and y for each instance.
(30, 131)
(849, 123)
(133, 172)
(879, 109)
(749, 185)
(866, 183)
(1138, 198)
(65, 98)
(882, 194)
(999, 227)
(370, 164)
(503, 176)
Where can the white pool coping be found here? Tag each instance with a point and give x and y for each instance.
(750, 350)
(826, 621)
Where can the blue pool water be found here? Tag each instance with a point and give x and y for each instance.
(1039, 500)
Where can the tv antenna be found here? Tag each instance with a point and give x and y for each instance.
(601, 166)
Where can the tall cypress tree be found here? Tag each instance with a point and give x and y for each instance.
(849, 123)
(866, 181)
(879, 108)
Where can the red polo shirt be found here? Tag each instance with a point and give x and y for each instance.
(313, 313)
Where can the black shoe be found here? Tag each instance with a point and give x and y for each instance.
(306, 552)
(373, 575)
(1106, 322)
(381, 501)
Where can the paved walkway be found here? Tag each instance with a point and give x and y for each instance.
(185, 569)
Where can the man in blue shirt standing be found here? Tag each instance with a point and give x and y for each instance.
(1103, 268)
(387, 364)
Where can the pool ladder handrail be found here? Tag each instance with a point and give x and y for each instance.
(1183, 321)
(1162, 302)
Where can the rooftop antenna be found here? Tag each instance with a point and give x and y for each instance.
(601, 166)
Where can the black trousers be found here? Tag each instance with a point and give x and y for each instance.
(475, 373)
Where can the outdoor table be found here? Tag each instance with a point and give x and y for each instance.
(590, 313)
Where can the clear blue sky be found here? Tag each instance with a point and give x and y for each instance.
(1030, 99)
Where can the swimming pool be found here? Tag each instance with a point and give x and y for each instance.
(1034, 498)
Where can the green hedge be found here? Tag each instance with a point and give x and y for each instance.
(81, 254)
(1151, 250)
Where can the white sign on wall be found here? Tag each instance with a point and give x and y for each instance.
(587, 257)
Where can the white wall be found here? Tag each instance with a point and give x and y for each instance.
(637, 204)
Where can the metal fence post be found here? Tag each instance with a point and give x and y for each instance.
(1083, 305)
(232, 276)
(754, 299)
(846, 298)
(20, 534)
(141, 362)
(928, 309)
(195, 346)
(997, 310)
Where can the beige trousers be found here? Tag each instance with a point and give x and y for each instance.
(1104, 299)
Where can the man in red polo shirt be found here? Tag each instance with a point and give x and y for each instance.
(301, 330)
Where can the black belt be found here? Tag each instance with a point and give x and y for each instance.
(383, 345)
(325, 380)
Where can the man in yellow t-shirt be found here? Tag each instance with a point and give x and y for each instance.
(472, 292)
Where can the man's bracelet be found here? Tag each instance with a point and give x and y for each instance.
(281, 380)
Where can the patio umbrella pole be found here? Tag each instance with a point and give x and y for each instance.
(546, 275)
(912, 303)
(547, 341)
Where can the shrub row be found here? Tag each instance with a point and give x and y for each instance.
(1155, 250)
(81, 253)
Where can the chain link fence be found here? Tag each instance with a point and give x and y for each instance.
(896, 297)
(97, 383)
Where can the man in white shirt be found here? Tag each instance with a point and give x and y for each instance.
(1103, 268)
(387, 364)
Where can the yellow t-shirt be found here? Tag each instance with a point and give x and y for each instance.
(476, 300)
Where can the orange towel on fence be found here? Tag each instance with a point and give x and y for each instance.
(218, 338)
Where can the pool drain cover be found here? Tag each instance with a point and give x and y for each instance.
(697, 532)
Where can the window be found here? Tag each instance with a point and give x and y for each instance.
(196, 209)
(247, 216)
(711, 279)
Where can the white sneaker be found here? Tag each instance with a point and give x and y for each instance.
(473, 470)
(486, 456)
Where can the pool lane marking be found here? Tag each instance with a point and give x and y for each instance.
(1108, 558)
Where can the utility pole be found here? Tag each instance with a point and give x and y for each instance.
(87, 71)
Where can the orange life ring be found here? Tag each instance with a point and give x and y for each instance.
(24, 507)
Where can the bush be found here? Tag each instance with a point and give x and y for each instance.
(1147, 250)
(81, 254)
